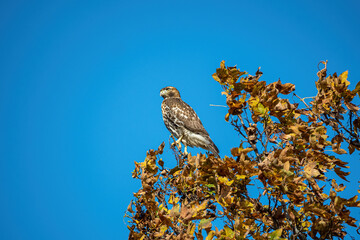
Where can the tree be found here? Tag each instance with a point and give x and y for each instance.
(282, 180)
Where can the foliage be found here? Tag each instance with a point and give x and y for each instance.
(282, 180)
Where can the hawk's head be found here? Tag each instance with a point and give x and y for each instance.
(167, 92)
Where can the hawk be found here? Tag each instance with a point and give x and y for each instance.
(183, 123)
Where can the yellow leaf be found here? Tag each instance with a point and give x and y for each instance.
(202, 205)
(191, 228)
(343, 77)
(210, 235)
(173, 200)
(238, 177)
(225, 181)
(247, 150)
(163, 228)
(227, 116)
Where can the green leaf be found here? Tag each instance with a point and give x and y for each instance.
(205, 223)
(229, 232)
(276, 234)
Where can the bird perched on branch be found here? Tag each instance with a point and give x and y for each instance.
(183, 123)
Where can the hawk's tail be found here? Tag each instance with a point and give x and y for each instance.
(213, 148)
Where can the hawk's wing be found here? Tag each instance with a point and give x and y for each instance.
(181, 114)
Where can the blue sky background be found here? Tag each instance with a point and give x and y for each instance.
(79, 93)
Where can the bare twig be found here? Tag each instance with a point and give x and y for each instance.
(213, 105)
(302, 99)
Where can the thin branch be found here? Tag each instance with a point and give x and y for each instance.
(253, 145)
(302, 99)
(213, 105)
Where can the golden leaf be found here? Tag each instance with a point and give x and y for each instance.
(191, 228)
(225, 181)
(227, 116)
(163, 228)
(129, 208)
(238, 177)
(343, 78)
(337, 188)
(287, 166)
(210, 235)
(215, 76)
(222, 64)
(202, 206)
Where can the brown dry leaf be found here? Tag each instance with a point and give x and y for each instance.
(351, 148)
(287, 166)
(310, 170)
(337, 188)
(186, 213)
(351, 106)
(286, 88)
(340, 151)
(240, 151)
(341, 174)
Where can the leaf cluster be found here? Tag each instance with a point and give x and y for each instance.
(282, 180)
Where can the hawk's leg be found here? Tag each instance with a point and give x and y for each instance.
(178, 142)
(185, 149)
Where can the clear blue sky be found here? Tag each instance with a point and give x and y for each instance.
(79, 93)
